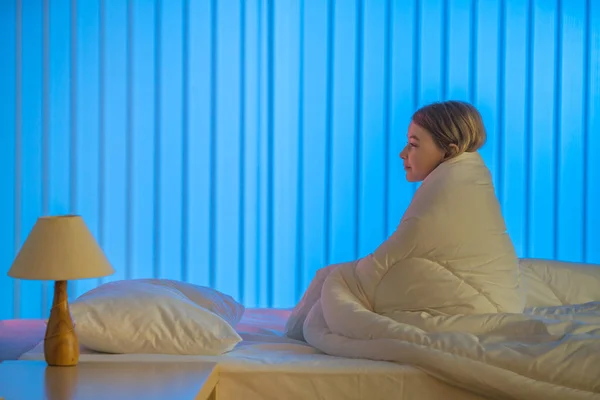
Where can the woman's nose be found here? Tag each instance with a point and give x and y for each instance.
(403, 153)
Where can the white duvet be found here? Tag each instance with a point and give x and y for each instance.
(446, 293)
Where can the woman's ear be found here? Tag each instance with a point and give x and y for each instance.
(452, 151)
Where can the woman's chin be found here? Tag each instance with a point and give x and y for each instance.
(410, 177)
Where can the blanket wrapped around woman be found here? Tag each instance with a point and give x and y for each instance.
(447, 293)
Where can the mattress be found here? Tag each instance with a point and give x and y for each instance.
(18, 336)
(268, 365)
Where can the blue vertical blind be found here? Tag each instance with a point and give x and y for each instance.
(245, 144)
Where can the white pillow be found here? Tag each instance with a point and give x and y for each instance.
(219, 303)
(155, 316)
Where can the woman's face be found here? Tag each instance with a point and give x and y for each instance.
(421, 154)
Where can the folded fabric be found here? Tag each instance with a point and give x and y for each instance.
(294, 326)
(156, 316)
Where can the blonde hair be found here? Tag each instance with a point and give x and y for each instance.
(452, 122)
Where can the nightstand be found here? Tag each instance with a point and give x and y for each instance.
(32, 380)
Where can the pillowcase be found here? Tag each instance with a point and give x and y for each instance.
(219, 303)
(156, 316)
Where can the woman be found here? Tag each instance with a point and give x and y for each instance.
(450, 254)
(439, 132)
(444, 292)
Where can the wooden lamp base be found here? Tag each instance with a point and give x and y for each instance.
(61, 347)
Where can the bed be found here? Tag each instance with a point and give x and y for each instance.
(443, 303)
(266, 365)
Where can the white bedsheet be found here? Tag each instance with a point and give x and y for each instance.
(267, 365)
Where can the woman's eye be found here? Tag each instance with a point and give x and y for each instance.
(412, 145)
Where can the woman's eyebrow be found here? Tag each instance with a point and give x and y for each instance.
(413, 137)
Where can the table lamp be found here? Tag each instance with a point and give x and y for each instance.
(59, 249)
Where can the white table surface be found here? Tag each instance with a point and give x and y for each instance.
(34, 380)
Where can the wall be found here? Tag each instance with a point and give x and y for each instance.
(245, 144)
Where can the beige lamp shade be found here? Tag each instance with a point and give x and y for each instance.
(60, 248)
